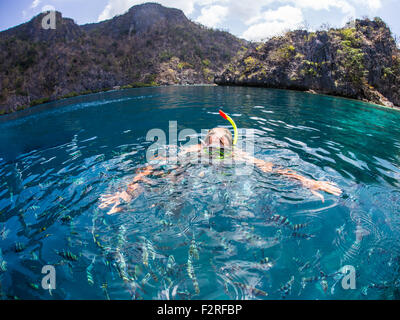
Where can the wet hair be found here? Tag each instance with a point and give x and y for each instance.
(225, 133)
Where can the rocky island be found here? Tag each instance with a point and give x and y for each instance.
(155, 45)
(148, 45)
(358, 61)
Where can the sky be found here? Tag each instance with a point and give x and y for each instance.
(252, 20)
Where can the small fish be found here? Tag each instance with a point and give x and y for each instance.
(298, 261)
(165, 223)
(34, 286)
(324, 285)
(34, 256)
(167, 279)
(88, 189)
(121, 240)
(306, 280)
(164, 248)
(104, 286)
(145, 255)
(383, 285)
(154, 276)
(264, 264)
(264, 260)
(299, 226)
(97, 241)
(42, 229)
(68, 255)
(302, 235)
(184, 294)
(281, 220)
(152, 252)
(340, 230)
(226, 244)
(190, 271)
(19, 247)
(78, 181)
(3, 263)
(170, 263)
(145, 279)
(364, 290)
(4, 233)
(287, 287)
(317, 256)
(89, 274)
(251, 290)
(251, 237)
(66, 218)
(305, 266)
(137, 270)
(121, 267)
(193, 252)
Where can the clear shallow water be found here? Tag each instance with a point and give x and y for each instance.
(55, 163)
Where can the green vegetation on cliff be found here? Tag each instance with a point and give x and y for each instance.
(149, 45)
(358, 61)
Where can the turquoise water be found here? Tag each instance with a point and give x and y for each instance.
(204, 236)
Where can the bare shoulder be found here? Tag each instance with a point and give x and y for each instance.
(245, 156)
(192, 148)
(242, 155)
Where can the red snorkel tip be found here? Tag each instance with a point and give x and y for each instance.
(222, 114)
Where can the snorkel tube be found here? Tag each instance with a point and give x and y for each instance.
(226, 117)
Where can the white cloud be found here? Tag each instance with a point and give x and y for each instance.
(371, 4)
(35, 3)
(273, 22)
(347, 9)
(262, 18)
(212, 16)
(374, 4)
(116, 7)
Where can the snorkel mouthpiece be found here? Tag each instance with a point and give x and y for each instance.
(226, 117)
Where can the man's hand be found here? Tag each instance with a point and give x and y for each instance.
(326, 186)
(114, 200)
(265, 166)
(313, 185)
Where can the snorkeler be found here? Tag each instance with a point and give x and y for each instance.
(218, 143)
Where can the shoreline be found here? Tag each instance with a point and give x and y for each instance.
(33, 108)
(312, 91)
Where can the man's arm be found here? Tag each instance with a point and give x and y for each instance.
(313, 185)
(132, 191)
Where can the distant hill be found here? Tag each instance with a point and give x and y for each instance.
(155, 45)
(148, 45)
(358, 61)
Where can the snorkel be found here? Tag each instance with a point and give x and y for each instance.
(215, 149)
(226, 117)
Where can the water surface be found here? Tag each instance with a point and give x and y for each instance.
(202, 237)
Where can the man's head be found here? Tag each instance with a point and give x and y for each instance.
(219, 138)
